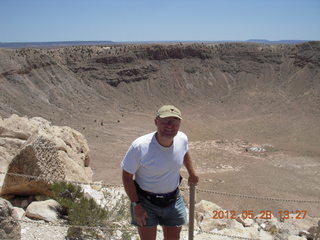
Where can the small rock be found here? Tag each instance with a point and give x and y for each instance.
(44, 210)
(18, 213)
(245, 222)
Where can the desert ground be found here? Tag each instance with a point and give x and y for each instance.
(251, 111)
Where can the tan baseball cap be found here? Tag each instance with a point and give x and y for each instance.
(169, 111)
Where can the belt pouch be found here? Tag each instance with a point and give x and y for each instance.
(160, 201)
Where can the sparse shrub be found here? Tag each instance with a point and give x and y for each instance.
(119, 211)
(191, 70)
(79, 210)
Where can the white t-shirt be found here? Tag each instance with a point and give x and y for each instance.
(156, 168)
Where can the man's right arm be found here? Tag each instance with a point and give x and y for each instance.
(140, 214)
(129, 186)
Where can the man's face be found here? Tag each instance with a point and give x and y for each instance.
(167, 127)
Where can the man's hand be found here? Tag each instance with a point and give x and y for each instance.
(140, 215)
(193, 179)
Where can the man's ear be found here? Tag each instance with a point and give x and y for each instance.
(155, 121)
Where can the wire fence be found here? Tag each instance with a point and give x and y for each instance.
(199, 190)
(257, 197)
(131, 229)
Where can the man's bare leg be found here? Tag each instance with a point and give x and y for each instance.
(147, 233)
(171, 233)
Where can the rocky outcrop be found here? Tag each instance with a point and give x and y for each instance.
(47, 153)
(131, 75)
(179, 51)
(9, 228)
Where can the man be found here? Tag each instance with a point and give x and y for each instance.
(151, 176)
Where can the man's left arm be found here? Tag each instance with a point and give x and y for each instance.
(193, 178)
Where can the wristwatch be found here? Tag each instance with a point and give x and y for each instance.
(135, 203)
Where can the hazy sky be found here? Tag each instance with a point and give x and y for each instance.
(158, 20)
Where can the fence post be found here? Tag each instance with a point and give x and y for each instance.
(191, 210)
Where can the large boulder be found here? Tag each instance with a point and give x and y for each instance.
(13, 134)
(9, 227)
(48, 154)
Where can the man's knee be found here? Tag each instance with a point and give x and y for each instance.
(147, 233)
(171, 233)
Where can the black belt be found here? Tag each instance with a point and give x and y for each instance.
(159, 199)
(161, 195)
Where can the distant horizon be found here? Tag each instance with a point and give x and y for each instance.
(106, 41)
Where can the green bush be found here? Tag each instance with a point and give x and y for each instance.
(79, 210)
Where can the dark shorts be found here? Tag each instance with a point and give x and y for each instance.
(173, 215)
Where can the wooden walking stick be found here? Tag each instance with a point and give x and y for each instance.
(191, 210)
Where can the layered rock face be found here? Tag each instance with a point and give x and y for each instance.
(127, 74)
(47, 153)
